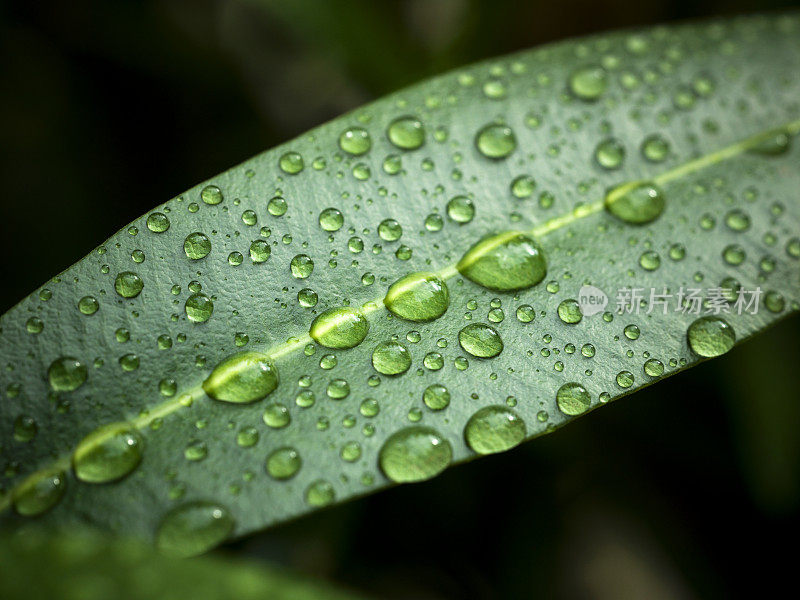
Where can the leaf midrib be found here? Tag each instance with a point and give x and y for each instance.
(582, 211)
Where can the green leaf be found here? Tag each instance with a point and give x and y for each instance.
(90, 566)
(227, 362)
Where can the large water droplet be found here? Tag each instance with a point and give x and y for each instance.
(406, 133)
(355, 141)
(193, 528)
(198, 308)
(283, 463)
(39, 493)
(635, 202)
(480, 340)
(108, 453)
(197, 245)
(418, 297)
(496, 141)
(573, 399)
(242, 378)
(504, 262)
(710, 336)
(391, 358)
(66, 374)
(339, 328)
(494, 429)
(128, 284)
(588, 83)
(414, 454)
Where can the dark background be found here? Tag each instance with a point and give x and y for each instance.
(690, 488)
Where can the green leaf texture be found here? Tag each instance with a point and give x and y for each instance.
(181, 347)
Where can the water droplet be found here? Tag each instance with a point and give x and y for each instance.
(242, 378)
(355, 141)
(774, 302)
(737, 220)
(494, 429)
(198, 308)
(193, 528)
(339, 328)
(635, 202)
(610, 153)
(390, 230)
(624, 379)
(66, 374)
(407, 133)
(195, 451)
(35, 325)
(197, 245)
(301, 266)
(307, 298)
(496, 141)
(588, 83)
(418, 297)
(320, 493)
(461, 209)
(128, 284)
(259, 251)
(654, 367)
(775, 145)
(211, 194)
(283, 463)
(655, 148)
(414, 454)
(391, 358)
(436, 397)
(108, 453)
(650, 260)
(40, 492)
(734, 254)
(573, 399)
(480, 340)
(569, 311)
(710, 336)
(632, 332)
(504, 262)
(523, 186)
(157, 222)
(331, 219)
(291, 163)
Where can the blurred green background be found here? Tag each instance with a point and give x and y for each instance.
(690, 488)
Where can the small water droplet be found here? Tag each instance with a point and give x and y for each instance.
(108, 453)
(242, 378)
(414, 454)
(480, 340)
(339, 328)
(494, 429)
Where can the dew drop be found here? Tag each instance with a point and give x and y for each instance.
(569, 311)
(609, 154)
(320, 493)
(283, 463)
(710, 336)
(242, 378)
(504, 262)
(461, 209)
(573, 399)
(108, 453)
(40, 492)
(418, 297)
(635, 202)
(355, 141)
(494, 429)
(198, 308)
(436, 397)
(291, 163)
(193, 528)
(391, 358)
(197, 245)
(66, 374)
(655, 148)
(496, 141)
(407, 133)
(339, 328)
(301, 266)
(128, 284)
(331, 219)
(480, 340)
(588, 83)
(211, 194)
(157, 222)
(414, 454)
(259, 251)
